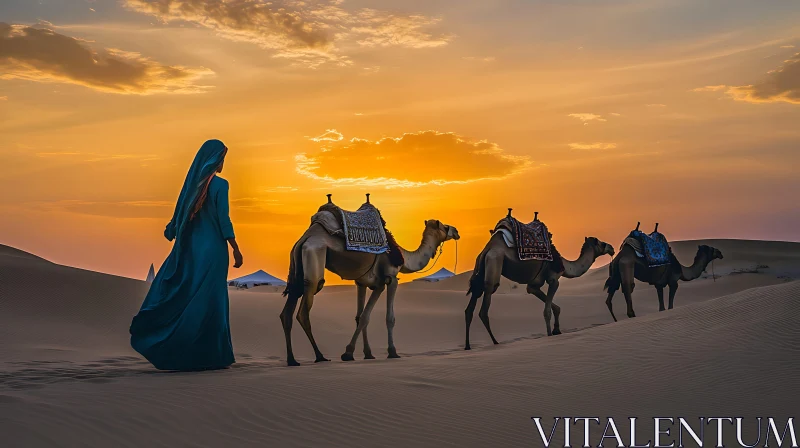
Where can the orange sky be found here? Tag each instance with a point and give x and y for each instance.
(595, 116)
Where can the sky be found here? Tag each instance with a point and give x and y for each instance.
(596, 114)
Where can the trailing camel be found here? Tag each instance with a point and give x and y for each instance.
(628, 266)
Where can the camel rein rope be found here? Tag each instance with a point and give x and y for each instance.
(455, 265)
(441, 249)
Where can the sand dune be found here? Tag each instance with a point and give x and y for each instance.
(69, 378)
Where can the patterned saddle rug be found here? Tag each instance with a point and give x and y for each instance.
(653, 248)
(532, 240)
(364, 230)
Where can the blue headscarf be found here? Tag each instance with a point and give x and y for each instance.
(193, 194)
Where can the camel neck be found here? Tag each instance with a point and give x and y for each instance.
(580, 266)
(696, 269)
(418, 259)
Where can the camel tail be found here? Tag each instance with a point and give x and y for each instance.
(476, 281)
(295, 283)
(614, 278)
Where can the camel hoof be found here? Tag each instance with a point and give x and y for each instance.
(467, 347)
(393, 354)
(322, 359)
(347, 357)
(368, 356)
(495, 342)
(292, 363)
(556, 332)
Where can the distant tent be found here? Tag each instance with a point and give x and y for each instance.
(256, 279)
(441, 274)
(151, 274)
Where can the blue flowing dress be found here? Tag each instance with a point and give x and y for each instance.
(183, 323)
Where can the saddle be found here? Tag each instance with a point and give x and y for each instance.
(653, 248)
(364, 230)
(532, 240)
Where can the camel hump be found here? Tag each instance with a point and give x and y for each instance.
(328, 221)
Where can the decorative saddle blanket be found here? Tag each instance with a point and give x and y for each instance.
(653, 248)
(532, 240)
(364, 230)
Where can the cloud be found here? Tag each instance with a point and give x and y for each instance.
(330, 135)
(116, 209)
(97, 157)
(656, 105)
(591, 146)
(371, 70)
(780, 85)
(378, 29)
(38, 53)
(280, 189)
(412, 160)
(787, 46)
(480, 59)
(252, 204)
(159, 209)
(587, 117)
(3, 98)
(307, 32)
(710, 88)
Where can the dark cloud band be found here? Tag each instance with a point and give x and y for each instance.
(38, 53)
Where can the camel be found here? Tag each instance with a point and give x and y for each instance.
(497, 259)
(627, 265)
(318, 250)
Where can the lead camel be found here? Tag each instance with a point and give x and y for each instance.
(318, 250)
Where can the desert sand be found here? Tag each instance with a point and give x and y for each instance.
(730, 347)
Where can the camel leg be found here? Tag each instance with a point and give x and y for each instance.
(362, 297)
(673, 288)
(552, 287)
(543, 297)
(286, 321)
(608, 304)
(626, 275)
(303, 317)
(494, 268)
(363, 321)
(391, 289)
(660, 292)
(313, 259)
(473, 301)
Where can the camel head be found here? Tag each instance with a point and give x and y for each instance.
(710, 252)
(600, 248)
(442, 231)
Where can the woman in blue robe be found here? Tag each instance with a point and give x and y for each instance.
(183, 323)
